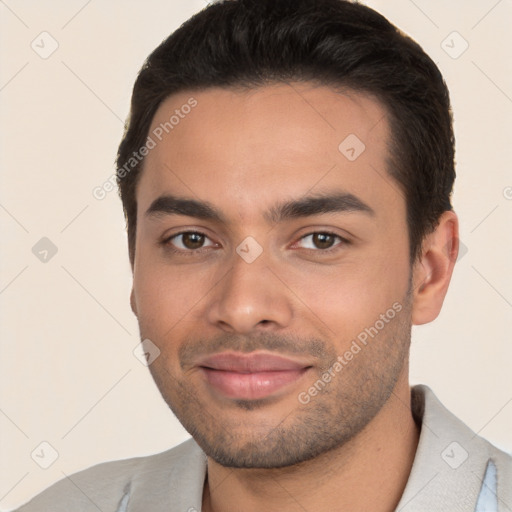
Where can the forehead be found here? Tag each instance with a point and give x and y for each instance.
(244, 149)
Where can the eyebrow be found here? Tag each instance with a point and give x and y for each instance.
(339, 202)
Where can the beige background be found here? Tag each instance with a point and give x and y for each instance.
(68, 373)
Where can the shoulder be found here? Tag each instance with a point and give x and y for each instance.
(454, 468)
(443, 424)
(106, 486)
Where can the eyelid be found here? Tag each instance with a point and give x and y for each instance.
(167, 241)
(342, 240)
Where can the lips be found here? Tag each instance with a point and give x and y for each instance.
(250, 376)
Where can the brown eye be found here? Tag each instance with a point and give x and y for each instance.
(190, 241)
(323, 240)
(193, 240)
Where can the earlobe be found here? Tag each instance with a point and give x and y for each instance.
(132, 302)
(432, 272)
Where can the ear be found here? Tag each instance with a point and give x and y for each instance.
(132, 302)
(433, 269)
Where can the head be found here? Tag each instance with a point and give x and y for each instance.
(286, 174)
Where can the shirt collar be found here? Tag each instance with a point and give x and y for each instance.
(450, 464)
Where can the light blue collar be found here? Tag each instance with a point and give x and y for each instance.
(487, 498)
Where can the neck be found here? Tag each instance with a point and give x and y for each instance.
(367, 473)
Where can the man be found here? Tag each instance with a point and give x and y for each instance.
(286, 177)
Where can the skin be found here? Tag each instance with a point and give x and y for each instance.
(243, 152)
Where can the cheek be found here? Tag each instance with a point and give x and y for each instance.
(167, 295)
(349, 298)
(344, 302)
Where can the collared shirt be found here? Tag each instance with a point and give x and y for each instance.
(454, 470)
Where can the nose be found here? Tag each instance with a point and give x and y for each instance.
(250, 297)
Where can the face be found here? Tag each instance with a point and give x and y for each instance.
(272, 269)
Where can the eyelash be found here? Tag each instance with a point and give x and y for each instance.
(341, 241)
(190, 252)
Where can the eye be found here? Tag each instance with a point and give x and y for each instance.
(189, 241)
(321, 240)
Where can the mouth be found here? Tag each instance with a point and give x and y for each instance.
(250, 376)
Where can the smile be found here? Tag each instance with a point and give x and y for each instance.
(250, 376)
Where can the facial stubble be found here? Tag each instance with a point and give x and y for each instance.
(229, 434)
